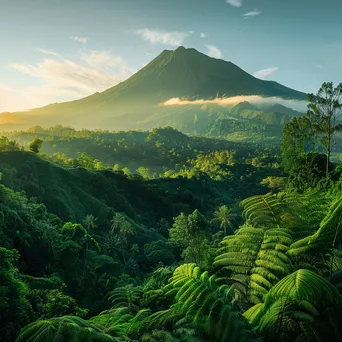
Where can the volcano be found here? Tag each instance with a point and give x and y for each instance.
(182, 73)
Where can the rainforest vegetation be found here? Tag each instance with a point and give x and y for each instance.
(162, 236)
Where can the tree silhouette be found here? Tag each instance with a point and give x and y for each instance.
(36, 145)
(324, 110)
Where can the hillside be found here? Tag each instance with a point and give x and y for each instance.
(78, 189)
(73, 193)
(182, 73)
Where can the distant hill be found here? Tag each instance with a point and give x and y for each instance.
(269, 116)
(278, 108)
(182, 73)
(244, 119)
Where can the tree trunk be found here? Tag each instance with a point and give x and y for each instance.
(328, 149)
(327, 164)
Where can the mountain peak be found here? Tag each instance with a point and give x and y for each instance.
(180, 52)
(183, 49)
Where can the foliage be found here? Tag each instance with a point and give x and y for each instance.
(191, 234)
(66, 328)
(36, 145)
(92, 252)
(208, 305)
(225, 217)
(9, 146)
(15, 310)
(302, 307)
(317, 129)
(324, 111)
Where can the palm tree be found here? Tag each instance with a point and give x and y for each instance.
(117, 221)
(90, 222)
(121, 226)
(131, 266)
(112, 244)
(225, 217)
(163, 226)
(120, 231)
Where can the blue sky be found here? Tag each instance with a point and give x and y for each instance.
(56, 50)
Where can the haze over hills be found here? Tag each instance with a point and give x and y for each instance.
(182, 73)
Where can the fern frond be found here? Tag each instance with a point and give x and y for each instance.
(114, 321)
(326, 237)
(262, 210)
(301, 302)
(208, 305)
(259, 256)
(127, 296)
(67, 328)
(299, 213)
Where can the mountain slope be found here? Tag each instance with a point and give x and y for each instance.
(187, 73)
(182, 73)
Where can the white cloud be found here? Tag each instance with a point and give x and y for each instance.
(104, 61)
(226, 101)
(174, 38)
(203, 35)
(213, 51)
(252, 14)
(235, 3)
(47, 52)
(83, 40)
(63, 79)
(264, 73)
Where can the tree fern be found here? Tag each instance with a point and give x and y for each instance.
(301, 307)
(158, 278)
(262, 210)
(300, 213)
(307, 209)
(256, 258)
(172, 324)
(114, 322)
(63, 329)
(127, 296)
(137, 323)
(326, 237)
(208, 305)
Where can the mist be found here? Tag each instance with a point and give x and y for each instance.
(254, 99)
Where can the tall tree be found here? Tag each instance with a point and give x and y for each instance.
(36, 145)
(191, 234)
(324, 110)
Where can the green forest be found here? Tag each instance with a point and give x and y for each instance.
(214, 229)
